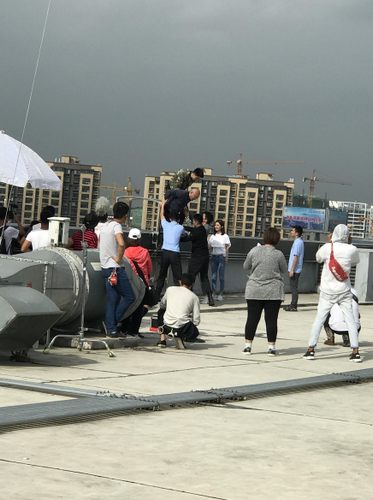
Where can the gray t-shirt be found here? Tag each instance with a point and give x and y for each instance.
(267, 269)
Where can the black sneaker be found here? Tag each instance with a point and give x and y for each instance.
(355, 357)
(290, 308)
(162, 343)
(271, 352)
(197, 340)
(247, 350)
(309, 355)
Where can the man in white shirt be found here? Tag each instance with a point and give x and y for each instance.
(39, 238)
(52, 212)
(179, 314)
(119, 293)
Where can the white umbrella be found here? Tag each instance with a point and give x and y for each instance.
(19, 165)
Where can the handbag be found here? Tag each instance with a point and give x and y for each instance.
(113, 278)
(150, 296)
(335, 267)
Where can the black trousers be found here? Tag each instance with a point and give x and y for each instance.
(254, 312)
(168, 259)
(188, 332)
(132, 323)
(294, 289)
(199, 264)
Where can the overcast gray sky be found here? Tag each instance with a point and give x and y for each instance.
(148, 85)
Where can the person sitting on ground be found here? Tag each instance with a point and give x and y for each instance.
(179, 314)
(39, 238)
(90, 237)
(335, 323)
(183, 179)
(177, 201)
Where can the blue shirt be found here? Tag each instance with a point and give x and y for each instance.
(172, 232)
(297, 248)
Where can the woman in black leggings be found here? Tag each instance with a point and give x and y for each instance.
(267, 269)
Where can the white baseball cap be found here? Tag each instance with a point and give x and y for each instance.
(134, 234)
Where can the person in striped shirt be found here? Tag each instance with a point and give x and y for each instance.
(90, 222)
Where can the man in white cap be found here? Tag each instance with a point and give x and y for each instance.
(335, 288)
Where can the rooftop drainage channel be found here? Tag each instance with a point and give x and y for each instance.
(105, 405)
(56, 390)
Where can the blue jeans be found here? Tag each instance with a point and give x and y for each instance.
(217, 268)
(118, 298)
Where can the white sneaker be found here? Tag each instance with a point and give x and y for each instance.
(215, 296)
(204, 300)
(219, 297)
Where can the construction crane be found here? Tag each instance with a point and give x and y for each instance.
(240, 162)
(312, 185)
(115, 189)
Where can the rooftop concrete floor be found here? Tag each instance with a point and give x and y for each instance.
(304, 445)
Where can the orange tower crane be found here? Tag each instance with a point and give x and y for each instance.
(240, 162)
(115, 190)
(312, 185)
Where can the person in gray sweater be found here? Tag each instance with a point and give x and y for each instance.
(267, 270)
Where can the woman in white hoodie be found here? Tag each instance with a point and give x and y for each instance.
(334, 290)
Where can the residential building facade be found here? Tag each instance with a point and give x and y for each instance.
(359, 217)
(78, 196)
(246, 205)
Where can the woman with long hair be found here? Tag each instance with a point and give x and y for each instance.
(207, 220)
(219, 243)
(267, 269)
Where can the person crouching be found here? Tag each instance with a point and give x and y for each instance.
(179, 314)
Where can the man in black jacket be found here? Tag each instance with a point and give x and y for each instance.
(177, 201)
(199, 261)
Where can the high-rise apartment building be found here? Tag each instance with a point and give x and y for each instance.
(359, 217)
(246, 205)
(80, 190)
